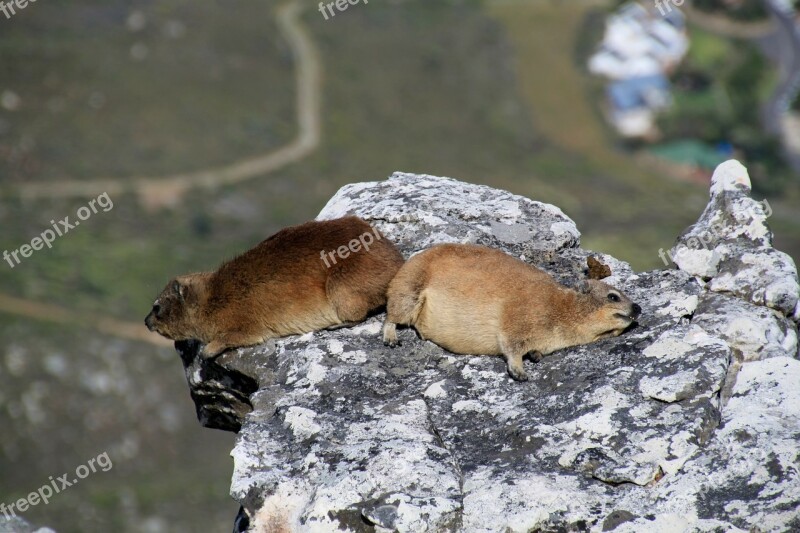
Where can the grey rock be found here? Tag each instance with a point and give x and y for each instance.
(616, 518)
(18, 525)
(414, 211)
(221, 395)
(746, 477)
(689, 421)
(731, 246)
(753, 332)
(764, 276)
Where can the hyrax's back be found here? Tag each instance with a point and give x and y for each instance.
(461, 293)
(297, 280)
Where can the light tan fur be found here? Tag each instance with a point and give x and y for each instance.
(291, 283)
(475, 300)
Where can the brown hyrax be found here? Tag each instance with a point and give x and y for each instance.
(475, 300)
(313, 276)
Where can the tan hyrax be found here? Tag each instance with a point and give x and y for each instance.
(313, 276)
(475, 300)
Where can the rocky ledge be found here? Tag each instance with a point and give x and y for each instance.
(688, 422)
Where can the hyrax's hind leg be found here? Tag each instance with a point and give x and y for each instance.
(404, 303)
(400, 309)
(350, 305)
(514, 352)
(357, 284)
(353, 293)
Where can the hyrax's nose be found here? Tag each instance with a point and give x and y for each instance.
(148, 321)
(637, 310)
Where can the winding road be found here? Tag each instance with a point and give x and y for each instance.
(786, 48)
(779, 39)
(52, 313)
(722, 25)
(168, 190)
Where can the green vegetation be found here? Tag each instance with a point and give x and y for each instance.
(199, 94)
(690, 152)
(744, 10)
(719, 89)
(708, 51)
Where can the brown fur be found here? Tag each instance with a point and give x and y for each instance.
(475, 300)
(280, 287)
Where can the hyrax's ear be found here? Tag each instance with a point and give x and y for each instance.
(597, 270)
(583, 287)
(181, 289)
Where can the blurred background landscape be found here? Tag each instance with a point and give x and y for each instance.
(271, 107)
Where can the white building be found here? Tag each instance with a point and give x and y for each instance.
(638, 42)
(640, 48)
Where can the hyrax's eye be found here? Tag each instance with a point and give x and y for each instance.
(613, 297)
(156, 309)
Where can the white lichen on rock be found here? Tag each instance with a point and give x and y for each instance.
(731, 245)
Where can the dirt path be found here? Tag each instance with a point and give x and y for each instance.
(155, 192)
(168, 190)
(59, 315)
(728, 27)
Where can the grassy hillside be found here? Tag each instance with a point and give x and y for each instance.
(490, 93)
(107, 89)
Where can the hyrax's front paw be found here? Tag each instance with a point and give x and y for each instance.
(518, 373)
(392, 344)
(390, 335)
(212, 349)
